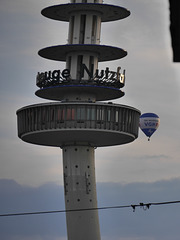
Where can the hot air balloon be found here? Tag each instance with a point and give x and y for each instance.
(149, 122)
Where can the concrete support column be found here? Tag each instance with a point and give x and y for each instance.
(80, 193)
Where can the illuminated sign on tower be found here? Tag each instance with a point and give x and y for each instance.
(78, 122)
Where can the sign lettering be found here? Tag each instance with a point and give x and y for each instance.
(103, 77)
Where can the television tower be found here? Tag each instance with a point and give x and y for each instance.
(78, 122)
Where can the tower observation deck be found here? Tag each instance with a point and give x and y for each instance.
(79, 121)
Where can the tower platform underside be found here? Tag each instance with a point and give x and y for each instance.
(78, 136)
(105, 11)
(60, 124)
(84, 92)
(102, 52)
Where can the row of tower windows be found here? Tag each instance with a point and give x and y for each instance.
(76, 166)
(77, 149)
(88, 116)
(77, 183)
(78, 200)
(81, 113)
(86, 1)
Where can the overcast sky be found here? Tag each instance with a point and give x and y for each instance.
(133, 173)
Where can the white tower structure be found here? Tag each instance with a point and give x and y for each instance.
(78, 122)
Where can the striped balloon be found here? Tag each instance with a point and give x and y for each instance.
(149, 122)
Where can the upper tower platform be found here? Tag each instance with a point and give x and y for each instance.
(102, 52)
(82, 54)
(105, 11)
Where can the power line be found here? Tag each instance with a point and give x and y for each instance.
(145, 206)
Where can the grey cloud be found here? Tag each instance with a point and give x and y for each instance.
(17, 198)
(157, 223)
(146, 157)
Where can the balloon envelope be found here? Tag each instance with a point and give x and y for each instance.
(149, 122)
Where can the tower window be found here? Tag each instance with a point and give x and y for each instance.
(94, 27)
(79, 64)
(68, 65)
(82, 29)
(71, 30)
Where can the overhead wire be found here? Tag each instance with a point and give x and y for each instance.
(145, 206)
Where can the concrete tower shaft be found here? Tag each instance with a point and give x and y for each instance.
(80, 192)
